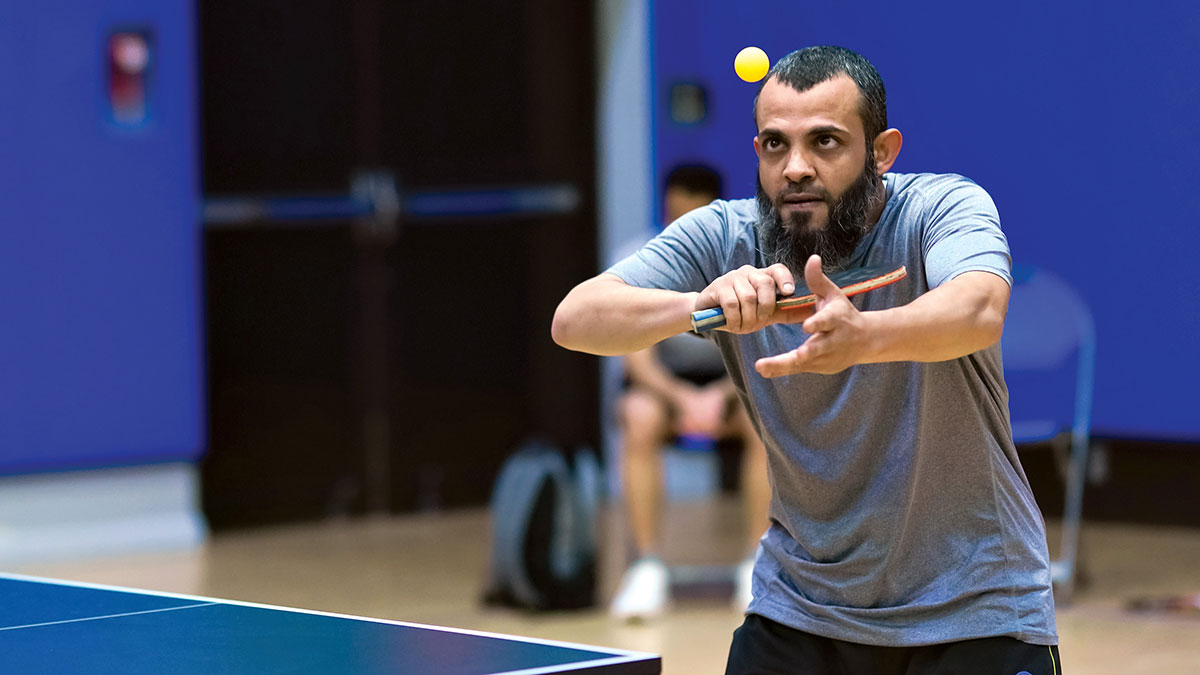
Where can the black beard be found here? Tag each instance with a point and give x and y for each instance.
(792, 243)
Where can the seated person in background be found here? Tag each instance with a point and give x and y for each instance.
(679, 389)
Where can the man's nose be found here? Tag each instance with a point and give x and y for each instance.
(798, 168)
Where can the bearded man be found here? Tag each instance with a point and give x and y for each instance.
(903, 534)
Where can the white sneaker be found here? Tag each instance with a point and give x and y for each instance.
(743, 589)
(643, 591)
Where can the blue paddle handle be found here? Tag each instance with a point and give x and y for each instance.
(707, 319)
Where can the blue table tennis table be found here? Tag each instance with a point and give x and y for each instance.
(49, 626)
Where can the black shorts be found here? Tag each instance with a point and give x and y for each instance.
(764, 647)
(697, 378)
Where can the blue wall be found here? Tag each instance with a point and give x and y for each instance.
(1080, 118)
(100, 300)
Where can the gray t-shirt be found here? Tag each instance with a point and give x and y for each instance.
(686, 355)
(900, 514)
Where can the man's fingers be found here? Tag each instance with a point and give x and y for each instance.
(782, 284)
(749, 299)
(784, 280)
(748, 296)
(738, 299)
(811, 357)
(819, 322)
(731, 307)
(821, 285)
(768, 293)
(782, 364)
(826, 291)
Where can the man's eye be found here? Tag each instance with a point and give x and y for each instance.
(827, 141)
(774, 144)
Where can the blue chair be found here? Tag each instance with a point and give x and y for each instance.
(1049, 349)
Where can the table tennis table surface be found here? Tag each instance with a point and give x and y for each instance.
(49, 626)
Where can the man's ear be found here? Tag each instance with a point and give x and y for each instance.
(757, 147)
(887, 146)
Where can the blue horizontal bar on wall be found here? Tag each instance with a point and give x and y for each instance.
(269, 210)
(224, 211)
(538, 200)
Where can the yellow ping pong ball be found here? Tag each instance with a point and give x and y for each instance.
(751, 64)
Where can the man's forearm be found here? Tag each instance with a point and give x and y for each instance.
(606, 316)
(961, 317)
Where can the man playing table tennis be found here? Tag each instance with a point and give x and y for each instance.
(900, 514)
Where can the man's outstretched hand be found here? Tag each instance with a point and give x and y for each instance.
(837, 339)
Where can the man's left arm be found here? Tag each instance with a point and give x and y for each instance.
(959, 317)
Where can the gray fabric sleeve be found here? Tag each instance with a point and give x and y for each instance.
(683, 257)
(963, 235)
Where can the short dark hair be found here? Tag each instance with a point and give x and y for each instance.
(695, 179)
(805, 68)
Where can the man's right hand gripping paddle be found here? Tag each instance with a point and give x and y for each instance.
(747, 298)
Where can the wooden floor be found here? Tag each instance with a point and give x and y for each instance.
(431, 569)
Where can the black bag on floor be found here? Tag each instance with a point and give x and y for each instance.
(544, 530)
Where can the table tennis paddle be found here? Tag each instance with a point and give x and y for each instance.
(851, 281)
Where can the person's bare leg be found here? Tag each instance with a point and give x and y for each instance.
(644, 423)
(643, 590)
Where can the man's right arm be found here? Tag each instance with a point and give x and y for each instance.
(606, 316)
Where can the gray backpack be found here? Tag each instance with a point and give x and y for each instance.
(544, 530)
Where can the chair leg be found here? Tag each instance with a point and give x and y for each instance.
(1063, 571)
